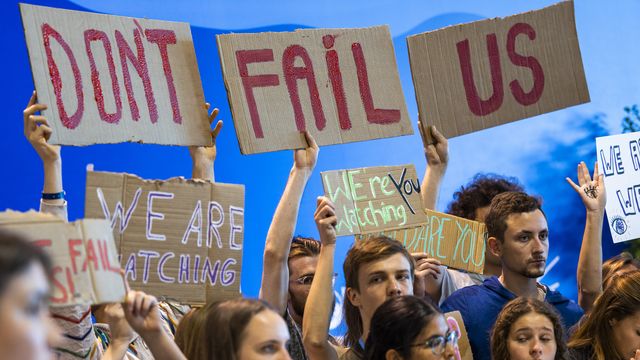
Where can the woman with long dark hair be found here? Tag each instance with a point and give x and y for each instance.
(407, 327)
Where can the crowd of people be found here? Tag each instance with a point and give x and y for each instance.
(395, 302)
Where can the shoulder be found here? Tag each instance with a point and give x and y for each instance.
(458, 299)
(570, 311)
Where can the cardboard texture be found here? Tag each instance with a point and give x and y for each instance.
(454, 319)
(454, 241)
(178, 239)
(619, 161)
(110, 79)
(85, 260)
(374, 198)
(487, 73)
(341, 85)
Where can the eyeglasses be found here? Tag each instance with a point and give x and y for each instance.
(308, 279)
(438, 343)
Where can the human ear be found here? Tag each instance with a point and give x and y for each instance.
(353, 296)
(495, 246)
(392, 355)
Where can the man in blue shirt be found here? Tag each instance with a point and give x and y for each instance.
(518, 234)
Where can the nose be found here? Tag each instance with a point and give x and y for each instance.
(450, 351)
(283, 355)
(394, 288)
(536, 349)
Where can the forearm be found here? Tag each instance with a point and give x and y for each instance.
(53, 179)
(430, 188)
(163, 347)
(275, 274)
(317, 311)
(116, 350)
(202, 169)
(589, 272)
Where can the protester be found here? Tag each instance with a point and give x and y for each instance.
(289, 263)
(407, 327)
(239, 329)
(528, 329)
(470, 202)
(375, 270)
(518, 234)
(27, 330)
(115, 338)
(611, 331)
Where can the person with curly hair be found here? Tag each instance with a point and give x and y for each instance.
(528, 329)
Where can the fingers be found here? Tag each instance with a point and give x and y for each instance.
(440, 139)
(580, 173)
(425, 139)
(32, 109)
(311, 142)
(573, 185)
(585, 172)
(595, 171)
(207, 106)
(213, 115)
(216, 130)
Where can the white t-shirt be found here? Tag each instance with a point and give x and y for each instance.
(453, 280)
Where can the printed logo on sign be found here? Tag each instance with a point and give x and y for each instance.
(619, 225)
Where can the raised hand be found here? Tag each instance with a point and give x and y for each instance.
(591, 191)
(326, 220)
(38, 132)
(437, 153)
(427, 269)
(203, 157)
(142, 313)
(306, 158)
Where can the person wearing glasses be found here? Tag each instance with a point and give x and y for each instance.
(375, 270)
(289, 262)
(528, 329)
(407, 327)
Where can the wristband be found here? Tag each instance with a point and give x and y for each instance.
(53, 196)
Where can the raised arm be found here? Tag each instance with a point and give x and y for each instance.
(143, 314)
(594, 198)
(204, 157)
(437, 154)
(317, 311)
(38, 132)
(275, 272)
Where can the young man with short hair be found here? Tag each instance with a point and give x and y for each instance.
(519, 236)
(375, 270)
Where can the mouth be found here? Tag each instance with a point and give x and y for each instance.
(538, 262)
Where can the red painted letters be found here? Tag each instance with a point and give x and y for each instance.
(292, 74)
(484, 107)
(70, 122)
(93, 35)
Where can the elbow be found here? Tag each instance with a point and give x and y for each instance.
(314, 343)
(272, 255)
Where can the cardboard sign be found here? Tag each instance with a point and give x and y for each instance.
(455, 322)
(85, 261)
(374, 198)
(179, 239)
(110, 79)
(491, 72)
(341, 85)
(619, 161)
(456, 242)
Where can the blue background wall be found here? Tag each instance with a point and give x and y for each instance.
(540, 151)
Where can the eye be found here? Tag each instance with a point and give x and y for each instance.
(546, 338)
(375, 279)
(403, 276)
(522, 339)
(523, 238)
(544, 236)
(269, 349)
